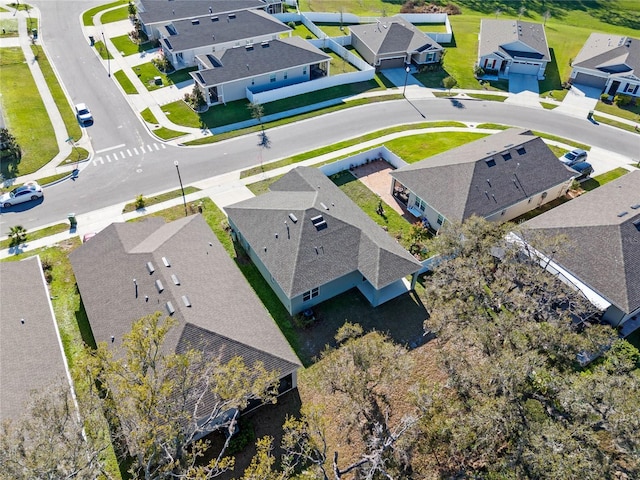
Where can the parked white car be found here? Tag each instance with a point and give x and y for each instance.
(84, 114)
(27, 192)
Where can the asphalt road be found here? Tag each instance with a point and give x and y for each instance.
(117, 133)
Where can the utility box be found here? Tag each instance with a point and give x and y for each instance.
(34, 32)
(157, 80)
(92, 41)
(73, 222)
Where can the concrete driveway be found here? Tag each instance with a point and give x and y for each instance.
(579, 101)
(523, 90)
(397, 76)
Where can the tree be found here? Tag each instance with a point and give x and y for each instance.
(161, 403)
(449, 82)
(516, 403)
(257, 112)
(48, 441)
(17, 236)
(132, 9)
(9, 144)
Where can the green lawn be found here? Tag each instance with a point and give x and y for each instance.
(483, 96)
(166, 133)
(9, 27)
(131, 207)
(77, 154)
(360, 194)
(102, 50)
(126, 47)
(25, 115)
(115, 15)
(148, 116)
(333, 29)
(630, 112)
(87, 16)
(147, 73)
(418, 147)
(601, 179)
(67, 113)
(338, 65)
(300, 31)
(125, 83)
(432, 27)
(614, 123)
(36, 234)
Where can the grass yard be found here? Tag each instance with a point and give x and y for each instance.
(115, 15)
(87, 16)
(630, 112)
(333, 29)
(300, 30)
(338, 65)
(125, 83)
(603, 178)
(431, 27)
(360, 194)
(148, 201)
(562, 140)
(148, 116)
(25, 115)
(126, 47)
(166, 133)
(59, 97)
(77, 154)
(36, 234)
(147, 73)
(493, 98)
(614, 123)
(8, 27)
(418, 147)
(102, 50)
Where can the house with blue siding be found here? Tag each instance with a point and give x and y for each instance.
(311, 243)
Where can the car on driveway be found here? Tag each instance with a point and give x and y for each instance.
(84, 114)
(584, 169)
(576, 155)
(28, 191)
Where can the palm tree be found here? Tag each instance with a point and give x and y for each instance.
(17, 235)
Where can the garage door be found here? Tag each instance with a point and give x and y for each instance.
(526, 68)
(392, 63)
(590, 81)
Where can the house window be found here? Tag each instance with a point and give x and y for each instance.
(272, 78)
(286, 75)
(308, 295)
(490, 162)
(440, 219)
(213, 49)
(304, 70)
(419, 203)
(521, 151)
(253, 81)
(506, 156)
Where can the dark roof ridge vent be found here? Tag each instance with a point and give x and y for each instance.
(195, 21)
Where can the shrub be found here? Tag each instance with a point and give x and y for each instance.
(291, 25)
(162, 63)
(622, 100)
(478, 71)
(242, 438)
(140, 202)
(604, 97)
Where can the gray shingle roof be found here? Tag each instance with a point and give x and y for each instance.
(460, 183)
(300, 256)
(604, 247)
(222, 302)
(244, 25)
(31, 357)
(610, 54)
(262, 58)
(495, 35)
(154, 11)
(393, 35)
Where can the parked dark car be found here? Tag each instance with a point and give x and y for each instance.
(584, 169)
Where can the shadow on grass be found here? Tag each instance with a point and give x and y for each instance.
(552, 79)
(83, 324)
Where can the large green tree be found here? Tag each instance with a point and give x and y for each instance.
(517, 403)
(161, 402)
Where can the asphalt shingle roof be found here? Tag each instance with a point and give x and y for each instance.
(31, 357)
(393, 35)
(603, 243)
(154, 11)
(611, 54)
(242, 25)
(261, 58)
(222, 304)
(460, 182)
(495, 35)
(300, 256)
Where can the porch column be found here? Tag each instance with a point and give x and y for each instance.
(414, 279)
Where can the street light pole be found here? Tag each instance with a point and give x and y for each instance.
(406, 78)
(108, 59)
(184, 200)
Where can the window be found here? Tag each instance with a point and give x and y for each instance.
(521, 151)
(253, 81)
(440, 219)
(306, 296)
(286, 75)
(490, 162)
(272, 78)
(420, 204)
(304, 70)
(506, 156)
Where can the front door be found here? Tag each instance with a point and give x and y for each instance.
(614, 88)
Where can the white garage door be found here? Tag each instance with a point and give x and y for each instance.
(526, 68)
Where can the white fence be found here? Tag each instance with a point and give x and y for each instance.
(345, 54)
(362, 158)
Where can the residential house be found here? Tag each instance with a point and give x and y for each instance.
(155, 14)
(394, 43)
(31, 353)
(499, 177)
(602, 254)
(183, 40)
(258, 67)
(131, 270)
(512, 46)
(610, 63)
(311, 243)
